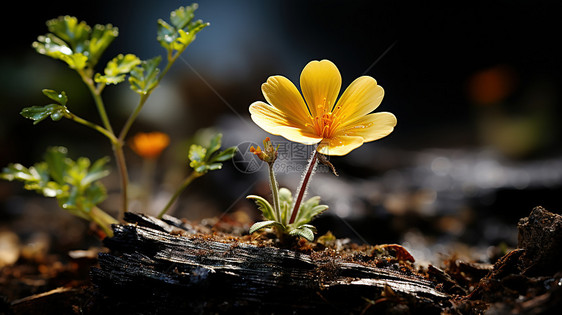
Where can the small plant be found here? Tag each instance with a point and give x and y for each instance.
(277, 216)
(75, 183)
(335, 128)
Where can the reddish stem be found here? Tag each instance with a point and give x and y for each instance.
(304, 184)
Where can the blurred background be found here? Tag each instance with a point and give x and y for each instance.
(475, 88)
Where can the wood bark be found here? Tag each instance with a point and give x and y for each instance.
(164, 265)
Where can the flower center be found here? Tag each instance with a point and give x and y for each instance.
(326, 120)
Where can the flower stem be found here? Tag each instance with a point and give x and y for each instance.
(304, 185)
(184, 185)
(274, 192)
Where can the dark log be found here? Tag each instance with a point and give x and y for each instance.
(540, 234)
(165, 266)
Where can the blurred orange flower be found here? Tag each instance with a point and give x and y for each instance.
(338, 128)
(492, 85)
(150, 144)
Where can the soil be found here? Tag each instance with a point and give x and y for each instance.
(527, 280)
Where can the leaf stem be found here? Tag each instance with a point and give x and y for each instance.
(184, 185)
(304, 185)
(103, 219)
(275, 193)
(96, 94)
(144, 97)
(117, 146)
(94, 126)
(133, 117)
(124, 175)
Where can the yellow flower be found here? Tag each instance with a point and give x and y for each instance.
(150, 145)
(337, 128)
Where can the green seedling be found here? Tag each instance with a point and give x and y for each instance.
(75, 183)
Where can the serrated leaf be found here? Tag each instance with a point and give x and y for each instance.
(52, 46)
(117, 68)
(74, 183)
(100, 39)
(182, 30)
(182, 16)
(71, 31)
(308, 210)
(106, 79)
(304, 232)
(39, 113)
(59, 97)
(75, 61)
(264, 206)
(264, 224)
(144, 77)
(75, 42)
(35, 178)
(166, 34)
(197, 153)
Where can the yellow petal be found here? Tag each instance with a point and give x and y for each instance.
(278, 123)
(361, 97)
(320, 85)
(282, 93)
(339, 145)
(370, 127)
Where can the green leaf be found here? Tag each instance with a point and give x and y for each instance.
(71, 31)
(52, 46)
(97, 171)
(79, 202)
(285, 203)
(39, 113)
(304, 232)
(166, 34)
(264, 206)
(197, 153)
(182, 16)
(35, 178)
(56, 48)
(308, 210)
(75, 61)
(57, 163)
(197, 156)
(100, 39)
(264, 224)
(215, 144)
(144, 77)
(59, 97)
(117, 68)
(75, 42)
(182, 30)
(74, 183)
(225, 155)
(213, 166)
